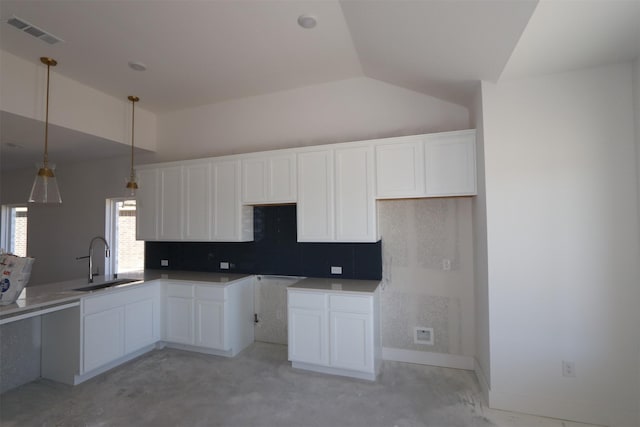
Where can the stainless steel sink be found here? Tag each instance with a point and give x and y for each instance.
(104, 285)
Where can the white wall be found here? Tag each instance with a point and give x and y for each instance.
(481, 290)
(563, 249)
(57, 234)
(342, 111)
(72, 104)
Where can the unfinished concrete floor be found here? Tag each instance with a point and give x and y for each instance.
(257, 388)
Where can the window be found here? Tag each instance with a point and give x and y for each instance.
(14, 229)
(127, 253)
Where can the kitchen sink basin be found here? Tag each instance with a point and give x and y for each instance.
(104, 285)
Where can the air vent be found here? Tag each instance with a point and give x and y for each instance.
(31, 29)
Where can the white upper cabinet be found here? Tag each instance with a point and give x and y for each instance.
(450, 164)
(315, 211)
(197, 202)
(147, 205)
(269, 179)
(400, 167)
(336, 197)
(435, 165)
(170, 226)
(232, 222)
(354, 195)
(334, 186)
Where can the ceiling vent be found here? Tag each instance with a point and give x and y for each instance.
(31, 29)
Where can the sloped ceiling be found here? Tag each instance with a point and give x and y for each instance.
(203, 52)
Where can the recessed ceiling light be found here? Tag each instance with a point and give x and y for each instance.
(307, 21)
(137, 66)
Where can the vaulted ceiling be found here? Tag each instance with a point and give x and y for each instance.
(203, 52)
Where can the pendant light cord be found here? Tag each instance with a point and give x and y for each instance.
(133, 122)
(46, 125)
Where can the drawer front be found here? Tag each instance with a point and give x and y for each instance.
(307, 300)
(210, 292)
(178, 290)
(351, 304)
(115, 298)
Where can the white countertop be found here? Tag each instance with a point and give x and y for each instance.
(51, 294)
(336, 285)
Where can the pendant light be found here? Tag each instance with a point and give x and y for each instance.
(45, 187)
(132, 185)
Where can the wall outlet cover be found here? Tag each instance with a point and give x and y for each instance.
(224, 266)
(422, 335)
(336, 270)
(164, 263)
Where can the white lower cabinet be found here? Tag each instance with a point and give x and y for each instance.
(308, 336)
(103, 338)
(334, 332)
(209, 318)
(109, 328)
(178, 318)
(117, 326)
(209, 322)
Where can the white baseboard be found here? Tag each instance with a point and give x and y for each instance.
(564, 409)
(428, 358)
(482, 380)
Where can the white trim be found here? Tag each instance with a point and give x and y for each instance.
(370, 376)
(111, 233)
(444, 360)
(5, 228)
(80, 378)
(482, 380)
(564, 409)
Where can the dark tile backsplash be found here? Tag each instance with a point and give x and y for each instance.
(273, 251)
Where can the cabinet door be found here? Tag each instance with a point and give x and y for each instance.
(210, 324)
(269, 179)
(197, 202)
(146, 205)
(232, 222)
(179, 320)
(138, 325)
(254, 180)
(451, 164)
(400, 168)
(354, 195)
(281, 179)
(351, 341)
(103, 338)
(315, 210)
(308, 341)
(170, 203)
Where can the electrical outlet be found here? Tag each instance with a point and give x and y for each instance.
(224, 266)
(568, 369)
(422, 335)
(164, 263)
(446, 264)
(336, 270)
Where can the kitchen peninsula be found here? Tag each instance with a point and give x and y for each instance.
(87, 332)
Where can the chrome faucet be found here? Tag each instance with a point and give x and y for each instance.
(107, 253)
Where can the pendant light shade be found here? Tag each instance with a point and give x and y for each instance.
(132, 185)
(45, 187)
